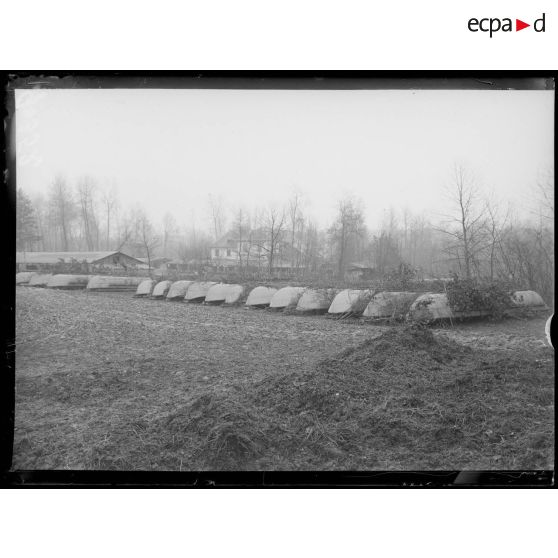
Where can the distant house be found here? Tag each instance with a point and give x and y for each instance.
(251, 250)
(83, 262)
(231, 250)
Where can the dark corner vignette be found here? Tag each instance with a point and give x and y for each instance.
(359, 280)
(7, 220)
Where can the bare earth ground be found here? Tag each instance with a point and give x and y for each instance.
(108, 381)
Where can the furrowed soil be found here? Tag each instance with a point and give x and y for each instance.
(108, 381)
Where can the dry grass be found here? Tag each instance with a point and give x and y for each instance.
(412, 400)
(106, 381)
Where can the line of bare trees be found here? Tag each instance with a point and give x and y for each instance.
(483, 239)
(476, 238)
(82, 218)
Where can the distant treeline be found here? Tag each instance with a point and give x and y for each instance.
(477, 239)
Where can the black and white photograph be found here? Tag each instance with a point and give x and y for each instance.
(306, 275)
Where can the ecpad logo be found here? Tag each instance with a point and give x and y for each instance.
(493, 25)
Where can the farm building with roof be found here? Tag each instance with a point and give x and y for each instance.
(75, 261)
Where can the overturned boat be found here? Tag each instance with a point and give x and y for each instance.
(111, 283)
(178, 290)
(234, 294)
(389, 304)
(23, 277)
(260, 297)
(435, 306)
(224, 293)
(161, 289)
(39, 280)
(287, 297)
(350, 301)
(63, 281)
(145, 288)
(197, 291)
(431, 306)
(316, 301)
(216, 294)
(527, 299)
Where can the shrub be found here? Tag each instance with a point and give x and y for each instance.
(471, 294)
(400, 278)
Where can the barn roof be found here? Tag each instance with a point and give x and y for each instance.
(66, 257)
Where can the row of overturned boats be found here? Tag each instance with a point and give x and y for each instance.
(365, 303)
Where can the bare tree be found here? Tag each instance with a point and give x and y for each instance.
(124, 228)
(295, 217)
(239, 225)
(495, 224)
(40, 210)
(527, 254)
(311, 247)
(348, 226)
(110, 205)
(385, 250)
(406, 225)
(195, 245)
(299, 237)
(545, 196)
(241, 228)
(85, 191)
(466, 224)
(170, 228)
(130, 230)
(149, 240)
(274, 222)
(216, 214)
(63, 209)
(26, 221)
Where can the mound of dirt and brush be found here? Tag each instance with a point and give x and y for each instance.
(408, 399)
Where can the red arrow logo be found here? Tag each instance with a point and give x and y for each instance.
(519, 25)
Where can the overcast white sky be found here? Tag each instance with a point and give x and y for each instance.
(168, 149)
